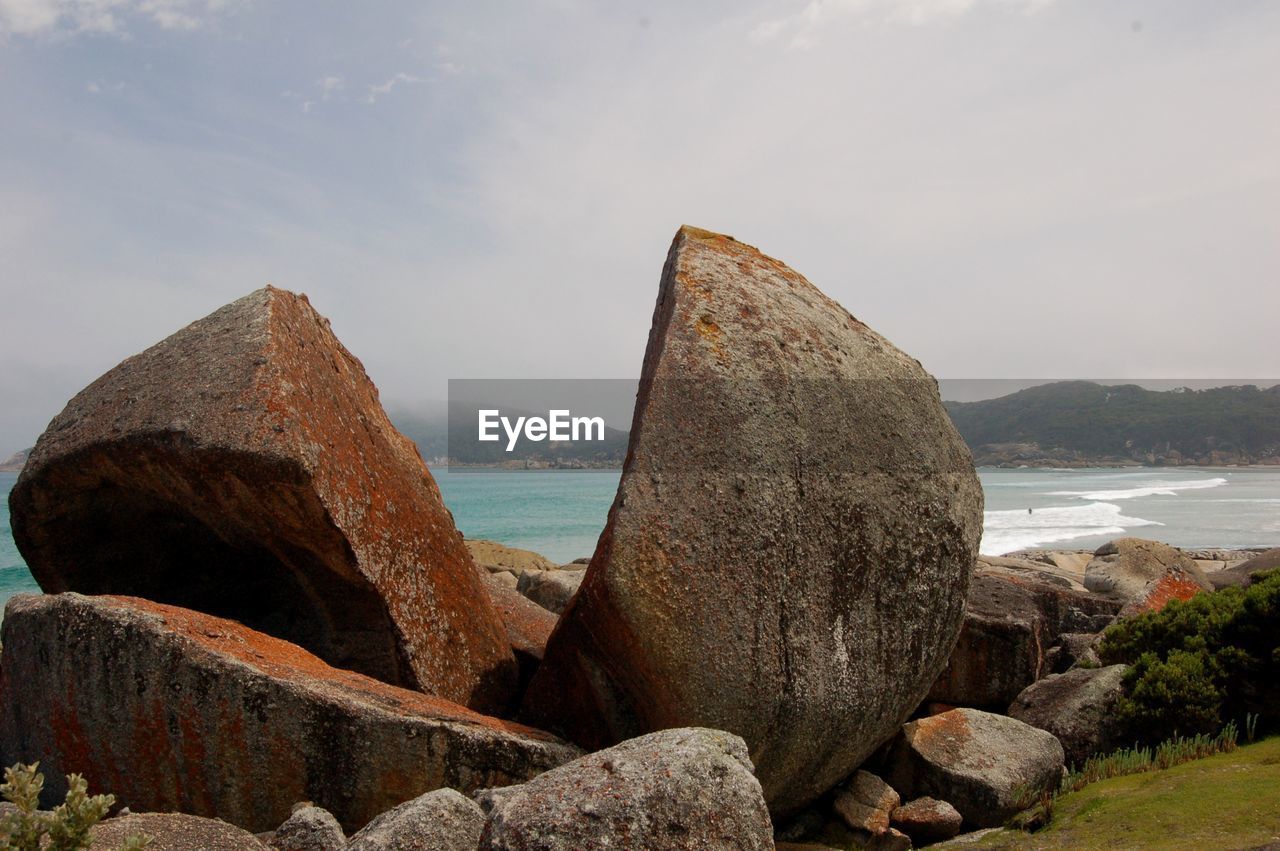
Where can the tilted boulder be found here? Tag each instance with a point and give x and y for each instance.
(1078, 707)
(982, 764)
(174, 832)
(788, 552)
(171, 709)
(1010, 625)
(443, 820)
(1123, 568)
(677, 789)
(244, 467)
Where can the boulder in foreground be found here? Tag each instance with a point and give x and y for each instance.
(174, 832)
(677, 789)
(309, 828)
(788, 553)
(175, 710)
(442, 820)
(1079, 707)
(980, 763)
(244, 467)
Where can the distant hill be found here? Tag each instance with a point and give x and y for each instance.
(431, 432)
(15, 462)
(1080, 423)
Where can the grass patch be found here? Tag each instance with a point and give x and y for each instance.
(1139, 760)
(1223, 801)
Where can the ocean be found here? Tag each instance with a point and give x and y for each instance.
(560, 513)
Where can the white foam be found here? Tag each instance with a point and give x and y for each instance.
(1007, 531)
(1153, 489)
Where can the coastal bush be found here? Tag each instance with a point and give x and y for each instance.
(1200, 662)
(66, 828)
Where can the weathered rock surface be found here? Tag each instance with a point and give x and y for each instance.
(1242, 574)
(496, 557)
(175, 832)
(1074, 648)
(865, 802)
(677, 789)
(552, 589)
(528, 625)
(978, 762)
(244, 467)
(927, 820)
(309, 828)
(792, 539)
(1010, 625)
(1173, 584)
(1078, 707)
(175, 710)
(1123, 568)
(442, 820)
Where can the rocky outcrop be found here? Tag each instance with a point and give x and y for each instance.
(309, 828)
(927, 820)
(174, 832)
(15, 462)
(496, 557)
(792, 539)
(551, 589)
(677, 789)
(1077, 707)
(980, 763)
(1010, 625)
(1124, 568)
(442, 820)
(244, 467)
(175, 710)
(1240, 575)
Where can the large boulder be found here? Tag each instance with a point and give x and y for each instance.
(1078, 707)
(1122, 569)
(443, 820)
(244, 467)
(677, 789)
(1240, 575)
(1010, 625)
(174, 832)
(171, 709)
(982, 764)
(788, 553)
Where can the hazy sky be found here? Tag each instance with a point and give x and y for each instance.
(1043, 188)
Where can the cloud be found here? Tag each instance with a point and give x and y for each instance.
(378, 89)
(330, 85)
(803, 26)
(70, 17)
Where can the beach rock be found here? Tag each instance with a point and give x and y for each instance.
(1074, 648)
(865, 803)
(174, 832)
(927, 820)
(1242, 574)
(442, 820)
(1010, 624)
(244, 467)
(1078, 707)
(551, 589)
(528, 625)
(1173, 584)
(1122, 568)
(309, 828)
(677, 789)
(496, 557)
(792, 539)
(978, 762)
(171, 709)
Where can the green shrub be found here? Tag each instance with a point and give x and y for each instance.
(66, 828)
(1199, 663)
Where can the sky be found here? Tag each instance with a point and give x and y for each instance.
(1003, 188)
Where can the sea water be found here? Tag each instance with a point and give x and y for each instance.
(560, 513)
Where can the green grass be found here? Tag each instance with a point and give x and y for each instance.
(1227, 801)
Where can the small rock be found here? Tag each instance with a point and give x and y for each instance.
(675, 789)
(175, 832)
(443, 820)
(978, 762)
(551, 589)
(309, 828)
(927, 820)
(866, 802)
(1072, 649)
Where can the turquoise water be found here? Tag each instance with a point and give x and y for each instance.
(560, 513)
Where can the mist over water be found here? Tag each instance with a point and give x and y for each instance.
(560, 513)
